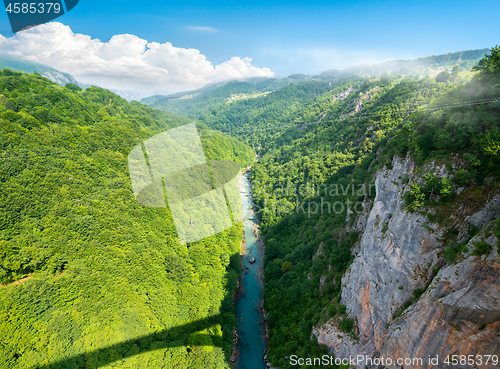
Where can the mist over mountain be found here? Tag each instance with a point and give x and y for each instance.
(191, 103)
(23, 65)
(421, 66)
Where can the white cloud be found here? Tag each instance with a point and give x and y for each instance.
(125, 62)
(203, 29)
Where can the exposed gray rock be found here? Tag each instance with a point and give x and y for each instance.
(390, 264)
(59, 77)
(395, 257)
(448, 318)
(361, 225)
(490, 211)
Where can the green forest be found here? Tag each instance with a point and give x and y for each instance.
(89, 277)
(92, 279)
(258, 111)
(430, 120)
(337, 135)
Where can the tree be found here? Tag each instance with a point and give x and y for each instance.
(444, 76)
(446, 190)
(488, 142)
(414, 198)
(73, 87)
(286, 266)
(432, 184)
(488, 68)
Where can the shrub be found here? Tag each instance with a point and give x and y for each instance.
(472, 230)
(481, 248)
(414, 198)
(432, 186)
(471, 159)
(428, 227)
(322, 317)
(497, 232)
(450, 233)
(462, 178)
(451, 252)
(332, 310)
(346, 325)
(447, 190)
(342, 309)
(418, 292)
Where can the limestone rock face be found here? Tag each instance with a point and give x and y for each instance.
(458, 314)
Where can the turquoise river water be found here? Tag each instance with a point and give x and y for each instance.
(252, 341)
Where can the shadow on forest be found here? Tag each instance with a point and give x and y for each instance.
(193, 334)
(173, 337)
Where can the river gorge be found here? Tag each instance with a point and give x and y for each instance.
(251, 327)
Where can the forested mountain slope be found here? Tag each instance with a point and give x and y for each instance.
(316, 193)
(421, 66)
(260, 120)
(257, 111)
(89, 277)
(22, 65)
(194, 104)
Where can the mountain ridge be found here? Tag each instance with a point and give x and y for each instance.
(470, 58)
(26, 66)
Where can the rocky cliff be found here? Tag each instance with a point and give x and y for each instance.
(409, 303)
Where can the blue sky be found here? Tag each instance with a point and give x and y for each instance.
(294, 36)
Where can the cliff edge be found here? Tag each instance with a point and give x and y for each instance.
(409, 302)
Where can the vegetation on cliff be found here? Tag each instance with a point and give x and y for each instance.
(308, 241)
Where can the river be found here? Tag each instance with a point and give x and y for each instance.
(252, 341)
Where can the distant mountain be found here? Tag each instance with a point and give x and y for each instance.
(422, 66)
(17, 64)
(193, 103)
(55, 76)
(180, 95)
(128, 95)
(197, 104)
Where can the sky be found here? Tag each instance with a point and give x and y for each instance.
(164, 47)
